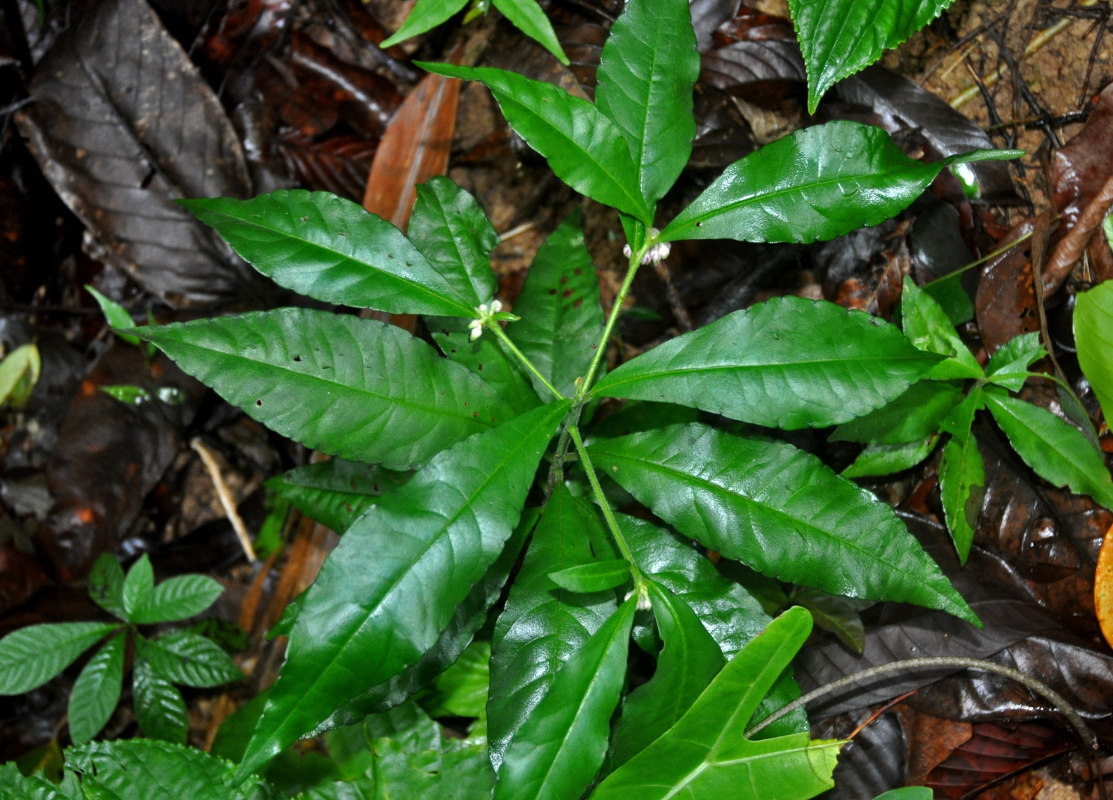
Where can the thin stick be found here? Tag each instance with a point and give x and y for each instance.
(229, 505)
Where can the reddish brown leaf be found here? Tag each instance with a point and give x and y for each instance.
(1005, 303)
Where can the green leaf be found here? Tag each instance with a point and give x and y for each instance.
(331, 249)
(453, 233)
(528, 17)
(487, 357)
(1057, 452)
(115, 314)
(281, 366)
(952, 297)
(648, 66)
(543, 625)
(335, 492)
(779, 510)
(561, 318)
(139, 586)
(146, 769)
(106, 585)
(1093, 336)
(180, 597)
(1008, 366)
(706, 751)
(558, 749)
(817, 183)
(597, 577)
(583, 147)
(189, 659)
(426, 15)
(14, 785)
(159, 707)
(787, 363)
(841, 37)
(912, 417)
(97, 691)
(461, 690)
(19, 373)
(907, 793)
(33, 655)
(685, 667)
(386, 594)
(929, 328)
(961, 490)
(885, 459)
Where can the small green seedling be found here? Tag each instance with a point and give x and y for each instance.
(34, 655)
(19, 373)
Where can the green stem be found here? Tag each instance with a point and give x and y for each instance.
(496, 329)
(601, 499)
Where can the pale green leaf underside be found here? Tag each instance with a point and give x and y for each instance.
(392, 586)
(779, 510)
(426, 15)
(788, 363)
(331, 382)
(331, 249)
(583, 147)
(841, 37)
(705, 754)
(1093, 334)
(33, 655)
(646, 72)
(817, 183)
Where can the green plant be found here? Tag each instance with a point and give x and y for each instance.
(943, 404)
(33, 655)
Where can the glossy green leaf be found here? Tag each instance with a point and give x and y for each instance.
(912, 417)
(487, 357)
(14, 785)
(331, 249)
(952, 297)
(1093, 336)
(425, 15)
(1008, 366)
(106, 584)
(146, 769)
(453, 233)
(33, 655)
(788, 363)
(646, 72)
(597, 577)
(961, 490)
(461, 690)
(335, 492)
(115, 314)
(961, 418)
(97, 691)
(706, 753)
(907, 793)
(558, 749)
(19, 373)
(331, 382)
(180, 597)
(561, 317)
(527, 16)
(1057, 451)
(929, 328)
(688, 661)
(779, 510)
(542, 625)
(189, 659)
(139, 585)
(817, 183)
(159, 707)
(386, 594)
(885, 459)
(841, 37)
(583, 147)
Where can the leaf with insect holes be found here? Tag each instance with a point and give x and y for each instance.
(330, 381)
(706, 753)
(841, 37)
(386, 594)
(331, 249)
(583, 146)
(1057, 451)
(779, 510)
(789, 363)
(646, 72)
(817, 183)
